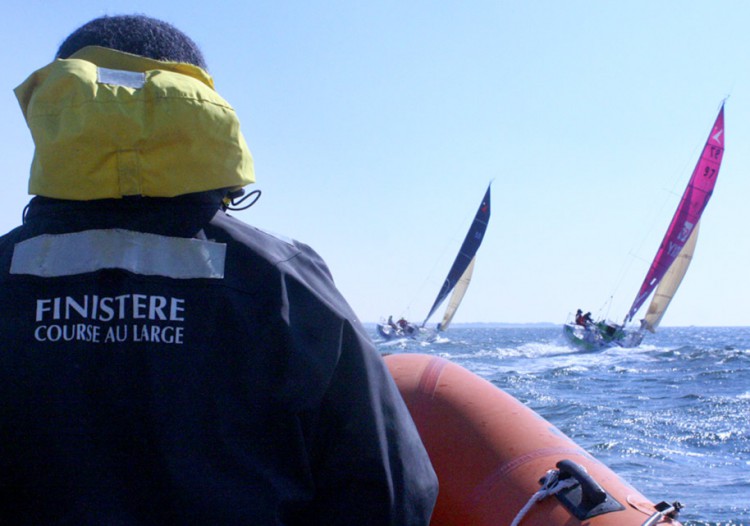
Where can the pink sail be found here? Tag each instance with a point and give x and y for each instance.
(692, 204)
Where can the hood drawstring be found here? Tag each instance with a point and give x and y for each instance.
(235, 198)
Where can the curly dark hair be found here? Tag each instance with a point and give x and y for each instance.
(137, 34)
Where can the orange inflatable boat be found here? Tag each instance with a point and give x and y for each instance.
(499, 463)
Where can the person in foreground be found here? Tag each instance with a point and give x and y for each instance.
(163, 362)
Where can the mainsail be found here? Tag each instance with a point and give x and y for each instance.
(462, 265)
(688, 213)
(669, 284)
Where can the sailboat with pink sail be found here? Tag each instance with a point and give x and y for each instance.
(671, 261)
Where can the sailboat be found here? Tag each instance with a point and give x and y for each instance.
(455, 284)
(671, 261)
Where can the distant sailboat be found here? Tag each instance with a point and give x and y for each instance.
(456, 282)
(672, 258)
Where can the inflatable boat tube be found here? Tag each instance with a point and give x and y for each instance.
(499, 463)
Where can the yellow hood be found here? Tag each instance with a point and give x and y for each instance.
(108, 124)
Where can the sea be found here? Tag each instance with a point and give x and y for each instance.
(671, 417)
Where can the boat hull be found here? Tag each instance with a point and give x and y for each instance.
(601, 335)
(387, 332)
(489, 452)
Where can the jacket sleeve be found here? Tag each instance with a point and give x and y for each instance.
(367, 460)
(374, 469)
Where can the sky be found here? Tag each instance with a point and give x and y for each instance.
(376, 127)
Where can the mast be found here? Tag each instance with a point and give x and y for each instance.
(688, 213)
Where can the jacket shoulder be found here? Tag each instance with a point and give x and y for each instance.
(261, 245)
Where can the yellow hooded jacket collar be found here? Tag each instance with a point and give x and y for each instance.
(108, 124)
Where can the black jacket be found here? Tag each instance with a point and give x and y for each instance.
(165, 363)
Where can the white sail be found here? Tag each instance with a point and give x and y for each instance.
(669, 283)
(458, 294)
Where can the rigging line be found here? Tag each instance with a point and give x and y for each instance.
(428, 280)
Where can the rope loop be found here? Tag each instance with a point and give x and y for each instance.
(551, 485)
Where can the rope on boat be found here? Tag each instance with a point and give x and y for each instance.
(663, 509)
(551, 485)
